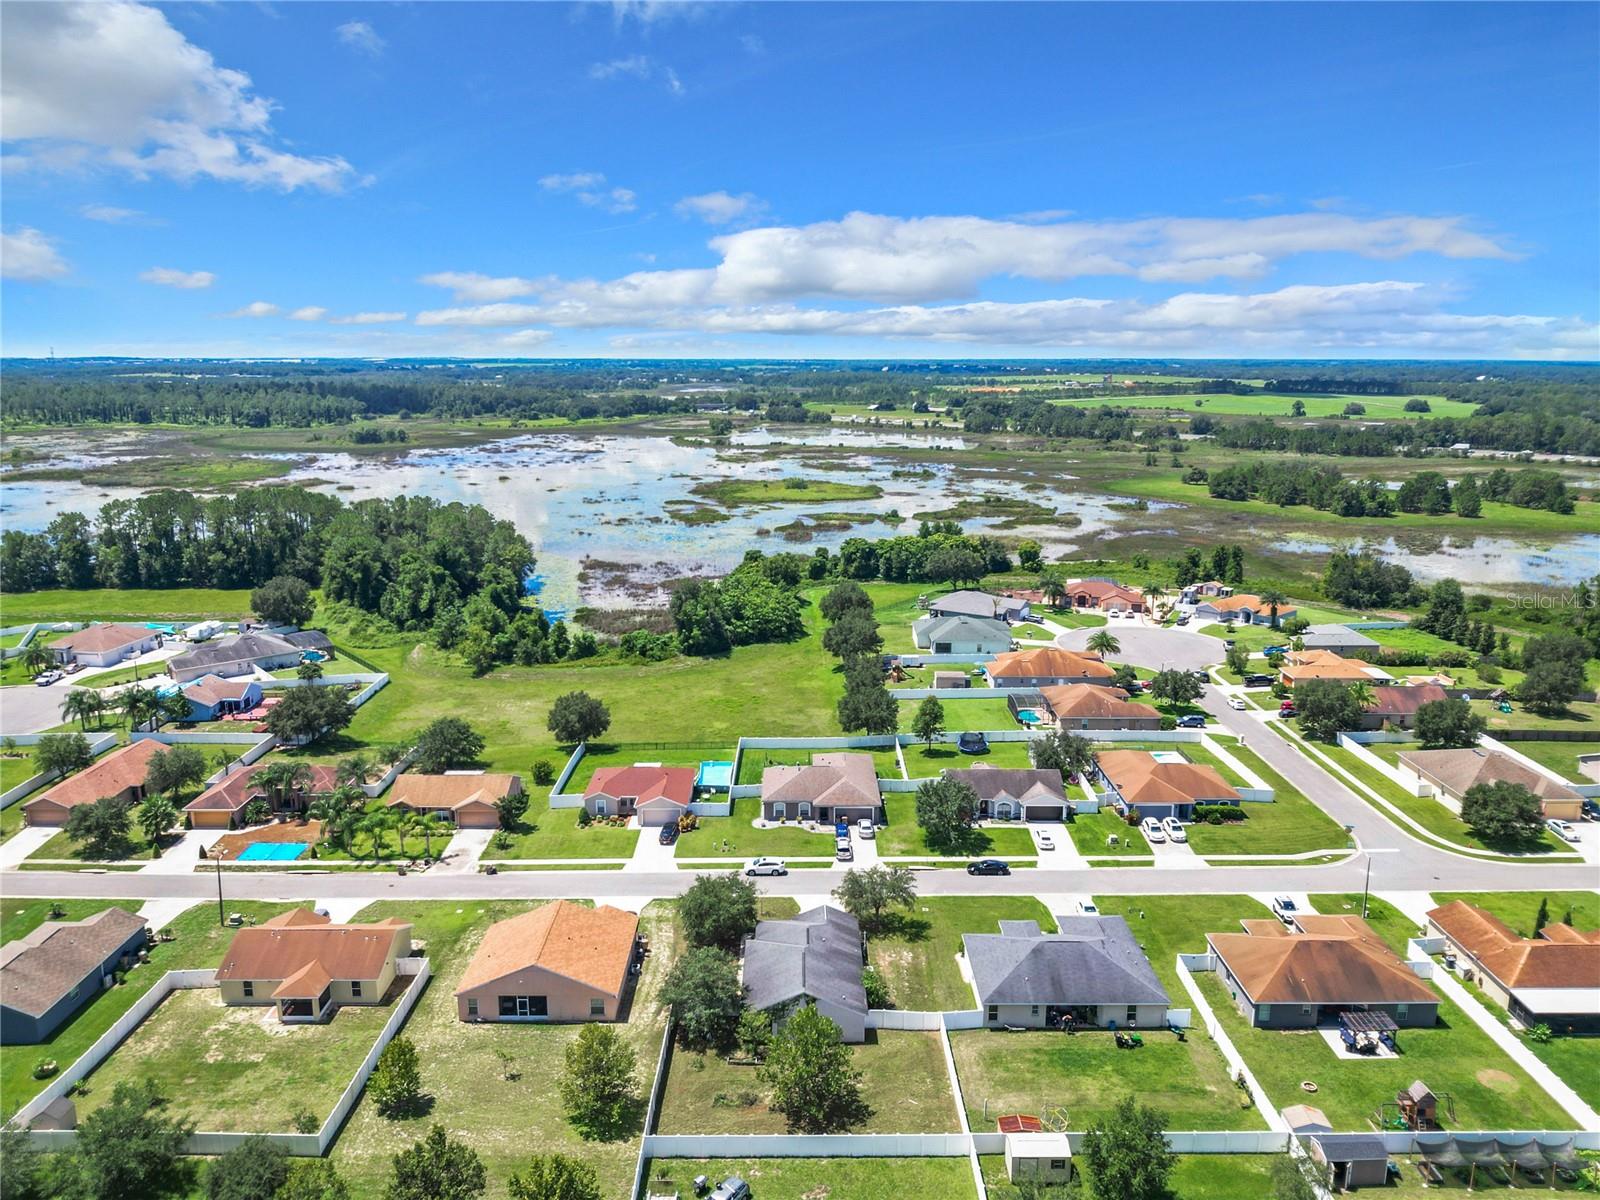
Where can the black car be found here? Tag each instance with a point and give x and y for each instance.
(972, 743)
(669, 834)
(989, 866)
(1259, 680)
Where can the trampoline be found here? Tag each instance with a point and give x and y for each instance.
(715, 774)
(272, 851)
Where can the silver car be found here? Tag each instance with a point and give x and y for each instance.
(765, 866)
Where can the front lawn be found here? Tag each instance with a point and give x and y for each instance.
(735, 837)
(60, 845)
(820, 1178)
(1290, 824)
(917, 955)
(903, 837)
(1087, 1075)
(1090, 831)
(18, 918)
(924, 761)
(903, 1080)
(239, 1069)
(546, 832)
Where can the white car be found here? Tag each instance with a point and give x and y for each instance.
(1046, 842)
(1237, 702)
(1151, 828)
(1173, 828)
(1563, 831)
(765, 866)
(46, 678)
(865, 828)
(1087, 908)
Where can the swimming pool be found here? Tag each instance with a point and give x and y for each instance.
(272, 851)
(1030, 716)
(715, 774)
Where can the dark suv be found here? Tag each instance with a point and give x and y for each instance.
(669, 834)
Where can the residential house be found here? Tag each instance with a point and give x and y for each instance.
(1105, 595)
(558, 962)
(1453, 773)
(1340, 639)
(1298, 980)
(1161, 785)
(105, 645)
(657, 795)
(1012, 794)
(813, 958)
(1395, 707)
(120, 773)
(466, 799)
(222, 805)
(1302, 665)
(837, 786)
(1242, 607)
(50, 973)
(1091, 973)
(980, 604)
(1552, 979)
(243, 653)
(1088, 706)
(306, 966)
(961, 635)
(1194, 593)
(211, 697)
(1047, 666)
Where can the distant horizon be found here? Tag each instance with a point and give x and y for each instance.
(974, 359)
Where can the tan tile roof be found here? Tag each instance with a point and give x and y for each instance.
(1345, 962)
(1048, 662)
(451, 791)
(1404, 701)
(1245, 600)
(1100, 590)
(1140, 779)
(37, 970)
(645, 783)
(1458, 770)
(831, 779)
(124, 768)
(99, 638)
(1091, 700)
(592, 946)
(234, 792)
(285, 946)
(1562, 958)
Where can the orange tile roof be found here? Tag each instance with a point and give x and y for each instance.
(1562, 958)
(1140, 779)
(1091, 700)
(591, 946)
(1245, 600)
(287, 945)
(1048, 662)
(118, 771)
(645, 783)
(451, 791)
(1325, 664)
(233, 792)
(1347, 964)
(99, 638)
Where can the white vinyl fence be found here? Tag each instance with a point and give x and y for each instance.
(98, 745)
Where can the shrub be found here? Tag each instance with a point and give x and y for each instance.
(584, 819)
(45, 1068)
(544, 772)
(1540, 1033)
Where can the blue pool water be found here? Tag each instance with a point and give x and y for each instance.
(1030, 716)
(272, 851)
(715, 774)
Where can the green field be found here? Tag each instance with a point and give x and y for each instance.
(116, 604)
(739, 493)
(916, 955)
(1291, 824)
(820, 1178)
(1271, 404)
(1560, 757)
(982, 713)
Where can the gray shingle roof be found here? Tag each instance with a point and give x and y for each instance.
(816, 954)
(241, 647)
(976, 604)
(962, 629)
(37, 970)
(1336, 637)
(1093, 960)
(1014, 783)
(1351, 1147)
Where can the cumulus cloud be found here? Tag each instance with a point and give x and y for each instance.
(367, 318)
(359, 35)
(256, 308)
(590, 189)
(311, 312)
(472, 287)
(721, 208)
(173, 278)
(112, 83)
(30, 256)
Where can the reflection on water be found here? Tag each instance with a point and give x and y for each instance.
(1477, 560)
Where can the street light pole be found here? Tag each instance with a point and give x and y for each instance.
(222, 917)
(1366, 888)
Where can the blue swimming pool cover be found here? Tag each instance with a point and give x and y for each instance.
(272, 851)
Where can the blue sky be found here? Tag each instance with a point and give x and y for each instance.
(801, 180)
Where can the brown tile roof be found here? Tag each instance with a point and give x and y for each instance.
(831, 779)
(236, 790)
(644, 783)
(284, 947)
(209, 689)
(1562, 958)
(99, 638)
(1092, 700)
(1048, 662)
(1345, 962)
(1101, 590)
(1325, 664)
(452, 791)
(1458, 770)
(124, 768)
(1140, 779)
(1404, 701)
(38, 969)
(1245, 600)
(592, 946)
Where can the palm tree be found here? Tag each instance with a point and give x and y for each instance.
(1103, 642)
(36, 656)
(431, 823)
(375, 826)
(328, 812)
(284, 779)
(356, 769)
(405, 824)
(172, 706)
(157, 814)
(139, 705)
(1361, 692)
(81, 704)
(1152, 593)
(1052, 589)
(1272, 598)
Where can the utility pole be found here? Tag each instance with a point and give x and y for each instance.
(222, 916)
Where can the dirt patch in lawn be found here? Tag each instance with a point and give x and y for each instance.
(1498, 1080)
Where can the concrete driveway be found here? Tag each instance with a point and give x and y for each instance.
(1152, 646)
(29, 708)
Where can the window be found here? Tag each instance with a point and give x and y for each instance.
(1058, 1164)
(597, 1007)
(994, 1012)
(1035, 1011)
(249, 990)
(355, 989)
(1133, 1015)
(1400, 1011)
(779, 811)
(1263, 1012)
(1305, 1010)
(472, 1006)
(524, 1006)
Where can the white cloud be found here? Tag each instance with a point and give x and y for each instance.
(655, 12)
(110, 214)
(311, 312)
(721, 208)
(591, 190)
(256, 308)
(359, 35)
(30, 255)
(368, 318)
(638, 66)
(173, 278)
(112, 83)
(576, 181)
(471, 286)
(752, 44)
(524, 339)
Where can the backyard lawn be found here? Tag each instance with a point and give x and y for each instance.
(1560, 757)
(625, 754)
(904, 1081)
(820, 1178)
(505, 1110)
(983, 712)
(754, 761)
(1196, 1177)
(1519, 910)
(1087, 1075)
(239, 1069)
(924, 762)
(735, 837)
(903, 837)
(917, 955)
